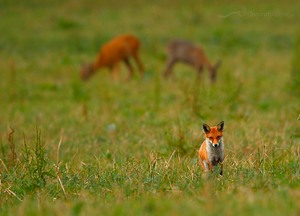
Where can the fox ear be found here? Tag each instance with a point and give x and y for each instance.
(206, 128)
(220, 126)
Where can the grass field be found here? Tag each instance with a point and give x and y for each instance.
(106, 147)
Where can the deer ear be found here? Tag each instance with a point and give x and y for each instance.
(220, 126)
(206, 128)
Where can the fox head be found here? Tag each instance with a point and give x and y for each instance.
(214, 70)
(86, 71)
(214, 134)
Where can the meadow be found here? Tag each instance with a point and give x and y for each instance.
(107, 147)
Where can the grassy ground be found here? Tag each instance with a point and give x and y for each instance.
(129, 148)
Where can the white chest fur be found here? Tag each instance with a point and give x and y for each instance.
(215, 154)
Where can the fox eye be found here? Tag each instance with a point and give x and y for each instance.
(218, 137)
(210, 137)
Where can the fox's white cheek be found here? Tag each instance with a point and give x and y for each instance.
(210, 142)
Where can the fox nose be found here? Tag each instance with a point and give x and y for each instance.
(215, 144)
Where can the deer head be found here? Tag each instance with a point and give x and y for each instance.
(214, 70)
(86, 71)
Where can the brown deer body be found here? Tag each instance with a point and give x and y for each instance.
(119, 49)
(186, 52)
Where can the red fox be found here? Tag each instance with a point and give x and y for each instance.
(112, 53)
(211, 152)
(186, 52)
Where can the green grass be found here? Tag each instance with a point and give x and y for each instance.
(130, 148)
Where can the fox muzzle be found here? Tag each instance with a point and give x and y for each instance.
(215, 144)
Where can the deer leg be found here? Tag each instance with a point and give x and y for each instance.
(138, 62)
(169, 67)
(115, 70)
(130, 70)
(200, 71)
(213, 75)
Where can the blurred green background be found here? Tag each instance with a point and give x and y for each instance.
(116, 147)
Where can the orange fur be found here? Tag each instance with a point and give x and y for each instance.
(119, 49)
(211, 152)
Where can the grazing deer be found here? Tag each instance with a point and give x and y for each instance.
(186, 52)
(112, 53)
